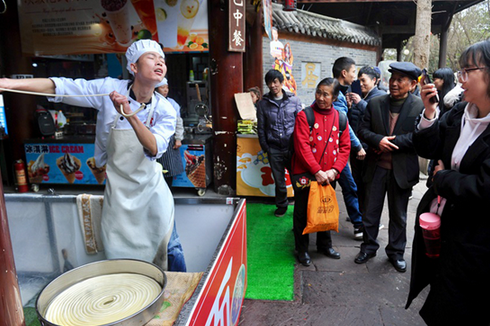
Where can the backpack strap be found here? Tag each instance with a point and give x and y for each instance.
(342, 121)
(310, 117)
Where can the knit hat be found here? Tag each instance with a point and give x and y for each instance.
(138, 48)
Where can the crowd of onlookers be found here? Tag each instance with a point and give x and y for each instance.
(376, 155)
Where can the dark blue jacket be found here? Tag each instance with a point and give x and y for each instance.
(356, 112)
(276, 124)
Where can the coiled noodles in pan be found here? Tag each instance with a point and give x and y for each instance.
(102, 300)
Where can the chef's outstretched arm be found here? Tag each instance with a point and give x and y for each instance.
(145, 136)
(38, 85)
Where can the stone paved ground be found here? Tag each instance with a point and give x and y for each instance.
(339, 292)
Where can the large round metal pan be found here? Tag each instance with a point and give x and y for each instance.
(99, 268)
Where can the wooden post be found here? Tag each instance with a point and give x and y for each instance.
(422, 33)
(11, 311)
(443, 41)
(252, 61)
(226, 76)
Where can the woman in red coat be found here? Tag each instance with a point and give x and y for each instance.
(320, 155)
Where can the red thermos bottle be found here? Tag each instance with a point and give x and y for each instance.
(20, 174)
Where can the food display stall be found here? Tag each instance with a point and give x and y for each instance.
(196, 146)
(253, 171)
(212, 233)
(254, 174)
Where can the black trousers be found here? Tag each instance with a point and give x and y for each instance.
(278, 162)
(323, 239)
(382, 184)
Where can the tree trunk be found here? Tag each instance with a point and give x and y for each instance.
(422, 33)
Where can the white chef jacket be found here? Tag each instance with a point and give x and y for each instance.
(162, 125)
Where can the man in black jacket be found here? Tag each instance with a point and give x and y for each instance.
(391, 163)
(276, 114)
(369, 78)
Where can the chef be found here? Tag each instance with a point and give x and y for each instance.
(134, 126)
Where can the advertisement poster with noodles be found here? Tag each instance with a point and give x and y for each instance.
(110, 26)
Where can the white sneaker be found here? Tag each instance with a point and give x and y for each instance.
(358, 233)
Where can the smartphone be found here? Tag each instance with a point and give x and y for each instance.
(356, 87)
(434, 99)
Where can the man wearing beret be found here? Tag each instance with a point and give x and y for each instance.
(391, 162)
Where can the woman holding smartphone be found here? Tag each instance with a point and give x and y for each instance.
(459, 141)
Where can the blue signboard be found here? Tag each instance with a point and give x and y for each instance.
(64, 163)
(3, 119)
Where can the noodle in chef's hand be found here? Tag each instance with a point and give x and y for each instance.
(102, 300)
(121, 100)
(121, 108)
(48, 94)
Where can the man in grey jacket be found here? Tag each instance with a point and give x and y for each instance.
(276, 114)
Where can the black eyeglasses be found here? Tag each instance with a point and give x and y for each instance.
(463, 73)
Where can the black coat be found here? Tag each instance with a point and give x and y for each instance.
(275, 124)
(460, 277)
(375, 126)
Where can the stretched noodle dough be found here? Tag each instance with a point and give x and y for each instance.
(102, 300)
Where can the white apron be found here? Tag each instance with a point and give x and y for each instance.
(138, 210)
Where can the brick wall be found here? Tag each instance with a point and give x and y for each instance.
(318, 56)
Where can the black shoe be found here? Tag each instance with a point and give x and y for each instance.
(363, 257)
(399, 264)
(304, 258)
(280, 211)
(330, 252)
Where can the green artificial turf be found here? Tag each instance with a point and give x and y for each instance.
(30, 317)
(270, 259)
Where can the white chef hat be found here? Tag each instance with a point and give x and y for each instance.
(138, 48)
(163, 82)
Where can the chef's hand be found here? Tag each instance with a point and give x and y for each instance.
(178, 143)
(5, 83)
(385, 145)
(118, 100)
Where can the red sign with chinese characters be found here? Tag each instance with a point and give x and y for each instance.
(220, 301)
(236, 28)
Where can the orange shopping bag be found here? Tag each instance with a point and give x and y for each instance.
(323, 210)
